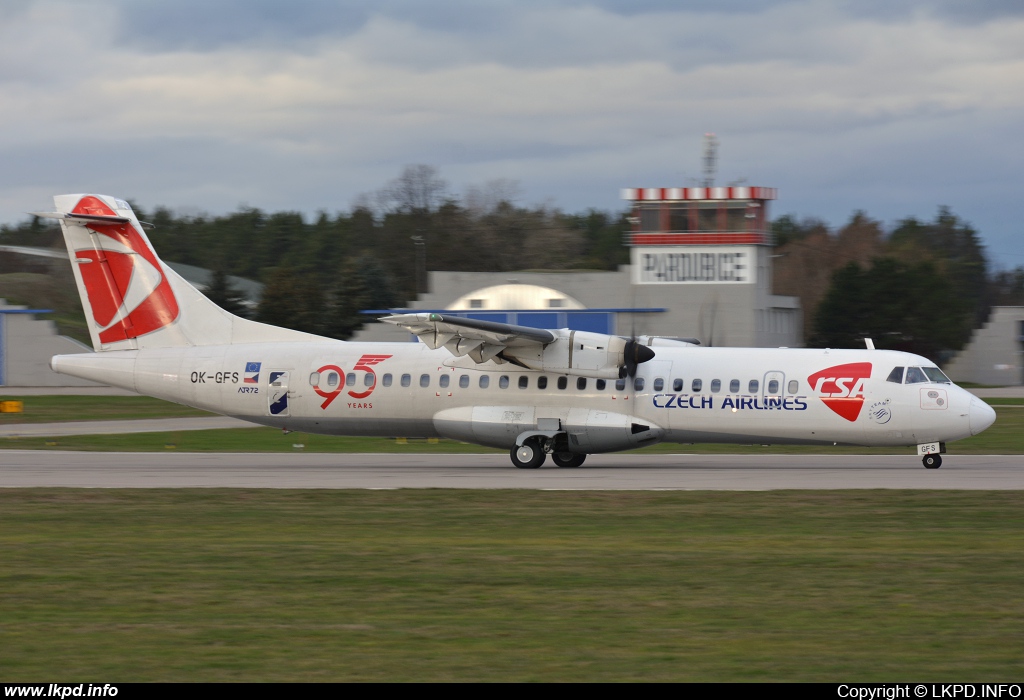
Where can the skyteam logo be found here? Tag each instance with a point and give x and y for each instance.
(128, 292)
(841, 388)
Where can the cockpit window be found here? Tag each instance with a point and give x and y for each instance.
(935, 374)
(915, 376)
(896, 376)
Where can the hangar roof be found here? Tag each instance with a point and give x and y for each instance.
(515, 296)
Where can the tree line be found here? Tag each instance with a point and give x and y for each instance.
(921, 286)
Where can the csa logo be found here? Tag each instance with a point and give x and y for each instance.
(841, 388)
(128, 292)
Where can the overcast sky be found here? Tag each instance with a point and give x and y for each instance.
(891, 106)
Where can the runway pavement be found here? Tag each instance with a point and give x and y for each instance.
(27, 468)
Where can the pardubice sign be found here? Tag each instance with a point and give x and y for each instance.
(693, 265)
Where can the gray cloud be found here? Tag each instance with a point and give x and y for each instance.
(208, 105)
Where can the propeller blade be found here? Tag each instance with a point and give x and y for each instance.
(635, 354)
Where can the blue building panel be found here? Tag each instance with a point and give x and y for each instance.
(600, 322)
(534, 319)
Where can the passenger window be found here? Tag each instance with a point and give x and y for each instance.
(485, 381)
(581, 383)
(896, 376)
(406, 379)
(677, 384)
(368, 379)
(443, 381)
(600, 384)
(464, 381)
(620, 385)
(332, 379)
(773, 386)
(314, 379)
(734, 386)
(503, 381)
(424, 380)
(659, 384)
(752, 386)
(716, 386)
(915, 375)
(638, 384)
(386, 380)
(542, 382)
(524, 382)
(350, 379)
(563, 382)
(794, 386)
(696, 385)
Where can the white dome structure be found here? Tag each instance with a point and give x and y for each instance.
(514, 296)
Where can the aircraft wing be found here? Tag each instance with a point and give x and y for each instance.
(481, 340)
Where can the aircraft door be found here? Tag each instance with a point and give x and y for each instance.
(773, 388)
(277, 392)
(658, 393)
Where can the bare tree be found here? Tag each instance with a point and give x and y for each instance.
(418, 189)
(484, 199)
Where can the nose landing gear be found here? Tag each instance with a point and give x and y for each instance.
(933, 461)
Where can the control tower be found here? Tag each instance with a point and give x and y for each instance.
(716, 243)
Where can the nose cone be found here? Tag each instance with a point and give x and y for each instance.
(981, 416)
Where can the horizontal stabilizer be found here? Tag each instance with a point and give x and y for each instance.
(81, 218)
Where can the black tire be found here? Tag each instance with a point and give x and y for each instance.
(529, 456)
(567, 459)
(932, 461)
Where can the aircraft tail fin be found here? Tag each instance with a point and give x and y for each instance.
(132, 300)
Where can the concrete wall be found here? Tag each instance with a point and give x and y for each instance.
(735, 315)
(26, 346)
(994, 353)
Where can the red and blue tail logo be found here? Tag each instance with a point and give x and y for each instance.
(128, 291)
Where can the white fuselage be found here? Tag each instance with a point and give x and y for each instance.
(745, 395)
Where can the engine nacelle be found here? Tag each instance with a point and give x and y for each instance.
(577, 353)
(578, 430)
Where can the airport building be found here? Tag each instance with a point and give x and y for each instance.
(26, 345)
(700, 267)
(995, 353)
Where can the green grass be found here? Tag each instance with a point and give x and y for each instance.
(1006, 436)
(55, 409)
(249, 585)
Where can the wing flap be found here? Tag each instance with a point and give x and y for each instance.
(480, 340)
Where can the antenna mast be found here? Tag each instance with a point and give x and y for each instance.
(710, 158)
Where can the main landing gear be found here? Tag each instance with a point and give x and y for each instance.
(530, 455)
(567, 459)
(932, 461)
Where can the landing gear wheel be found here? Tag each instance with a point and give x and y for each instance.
(529, 456)
(932, 461)
(567, 459)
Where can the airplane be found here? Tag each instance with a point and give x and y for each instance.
(531, 391)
